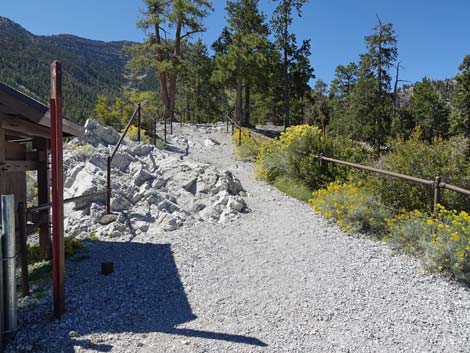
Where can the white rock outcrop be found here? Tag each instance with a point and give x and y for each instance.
(153, 190)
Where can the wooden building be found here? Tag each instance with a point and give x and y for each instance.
(24, 146)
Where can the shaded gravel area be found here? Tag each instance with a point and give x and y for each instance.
(279, 279)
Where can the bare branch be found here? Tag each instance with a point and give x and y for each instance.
(188, 34)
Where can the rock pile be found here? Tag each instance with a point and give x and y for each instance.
(153, 190)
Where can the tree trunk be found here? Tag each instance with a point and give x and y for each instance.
(380, 118)
(173, 77)
(286, 89)
(239, 102)
(246, 116)
(395, 90)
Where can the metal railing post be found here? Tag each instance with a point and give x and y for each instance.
(7, 223)
(138, 122)
(437, 195)
(110, 158)
(164, 126)
(9, 262)
(23, 249)
(108, 186)
(155, 133)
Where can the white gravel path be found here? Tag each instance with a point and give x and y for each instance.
(279, 279)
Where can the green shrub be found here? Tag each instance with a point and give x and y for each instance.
(250, 143)
(415, 157)
(352, 207)
(132, 134)
(39, 271)
(79, 151)
(443, 242)
(71, 246)
(34, 253)
(294, 155)
(92, 237)
(293, 188)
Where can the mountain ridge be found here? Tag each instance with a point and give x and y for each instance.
(91, 67)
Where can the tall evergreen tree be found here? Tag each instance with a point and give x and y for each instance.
(429, 110)
(160, 17)
(320, 114)
(383, 54)
(461, 99)
(282, 19)
(200, 98)
(245, 55)
(362, 101)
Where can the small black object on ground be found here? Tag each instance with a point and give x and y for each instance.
(107, 268)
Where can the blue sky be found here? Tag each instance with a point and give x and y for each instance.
(433, 35)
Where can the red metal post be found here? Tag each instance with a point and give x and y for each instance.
(58, 262)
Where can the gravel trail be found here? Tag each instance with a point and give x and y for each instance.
(279, 279)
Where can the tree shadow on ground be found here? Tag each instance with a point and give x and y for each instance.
(144, 294)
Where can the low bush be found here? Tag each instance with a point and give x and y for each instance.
(250, 143)
(133, 132)
(415, 157)
(71, 246)
(443, 242)
(248, 148)
(79, 151)
(293, 188)
(352, 207)
(295, 154)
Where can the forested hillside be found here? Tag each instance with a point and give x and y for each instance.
(90, 67)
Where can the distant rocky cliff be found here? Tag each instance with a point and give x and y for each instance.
(90, 67)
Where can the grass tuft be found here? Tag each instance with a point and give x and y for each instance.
(293, 188)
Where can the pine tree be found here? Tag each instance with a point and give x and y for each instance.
(429, 110)
(286, 41)
(244, 57)
(461, 100)
(160, 17)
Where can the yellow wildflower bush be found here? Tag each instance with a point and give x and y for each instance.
(351, 207)
(442, 242)
(250, 144)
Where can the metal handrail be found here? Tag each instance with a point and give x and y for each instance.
(378, 171)
(131, 120)
(249, 133)
(137, 112)
(46, 206)
(436, 184)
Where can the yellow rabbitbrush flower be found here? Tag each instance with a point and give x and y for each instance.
(442, 242)
(351, 207)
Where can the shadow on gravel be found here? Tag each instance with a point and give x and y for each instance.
(144, 294)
